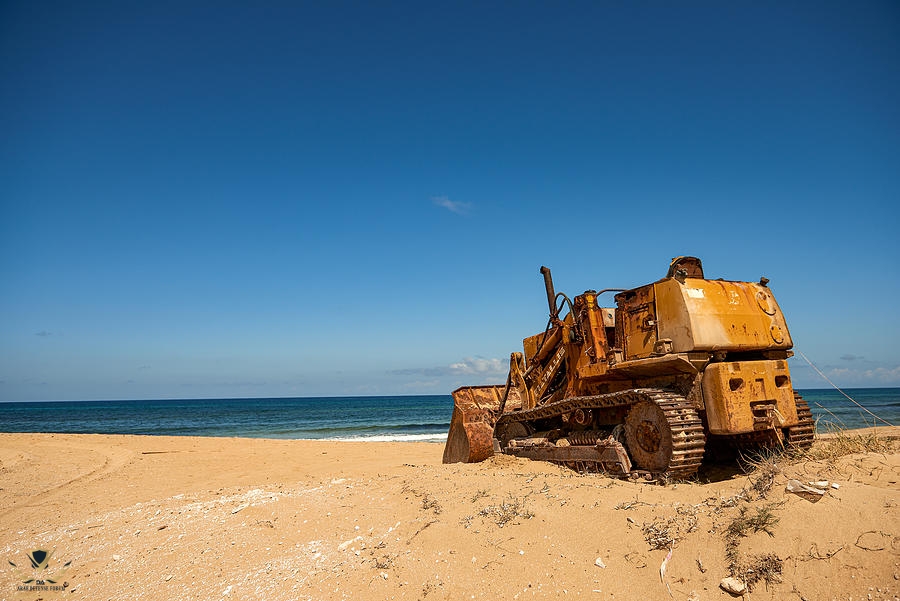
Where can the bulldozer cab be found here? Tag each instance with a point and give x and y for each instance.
(685, 267)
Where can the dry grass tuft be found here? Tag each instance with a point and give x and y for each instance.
(659, 533)
(429, 502)
(840, 443)
(480, 494)
(766, 568)
(384, 562)
(761, 468)
(664, 533)
(507, 512)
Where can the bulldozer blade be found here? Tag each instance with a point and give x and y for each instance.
(471, 434)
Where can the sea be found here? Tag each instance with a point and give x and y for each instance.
(372, 418)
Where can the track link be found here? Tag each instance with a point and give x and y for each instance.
(688, 439)
(802, 435)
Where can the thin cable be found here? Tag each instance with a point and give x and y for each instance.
(818, 371)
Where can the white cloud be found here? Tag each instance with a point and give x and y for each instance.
(454, 206)
(478, 365)
(466, 366)
(852, 371)
(884, 375)
(860, 376)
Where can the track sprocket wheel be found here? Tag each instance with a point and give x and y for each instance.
(665, 437)
(648, 436)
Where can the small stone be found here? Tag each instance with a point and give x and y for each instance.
(630, 520)
(733, 586)
(835, 485)
(384, 575)
(169, 577)
(599, 563)
(117, 557)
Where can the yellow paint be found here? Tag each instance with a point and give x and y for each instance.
(711, 315)
(729, 388)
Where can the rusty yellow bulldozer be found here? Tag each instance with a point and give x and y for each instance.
(641, 389)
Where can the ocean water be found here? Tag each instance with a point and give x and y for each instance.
(832, 410)
(383, 418)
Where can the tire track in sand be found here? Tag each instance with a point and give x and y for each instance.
(114, 458)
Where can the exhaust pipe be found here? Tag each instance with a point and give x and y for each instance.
(551, 293)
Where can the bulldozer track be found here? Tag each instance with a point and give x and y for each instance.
(688, 439)
(802, 435)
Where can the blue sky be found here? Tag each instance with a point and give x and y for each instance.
(213, 199)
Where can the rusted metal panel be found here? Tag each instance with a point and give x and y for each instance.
(711, 315)
(590, 354)
(654, 366)
(472, 424)
(593, 370)
(609, 317)
(638, 315)
(746, 396)
(610, 454)
(537, 347)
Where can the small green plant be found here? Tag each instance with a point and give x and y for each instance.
(761, 519)
(765, 567)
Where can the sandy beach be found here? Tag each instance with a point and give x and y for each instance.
(139, 517)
